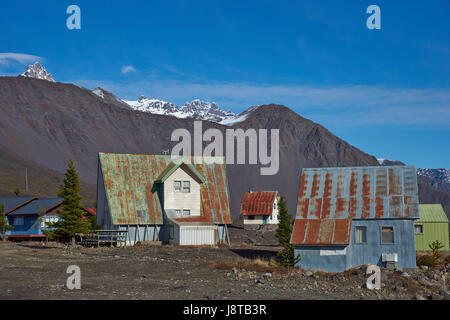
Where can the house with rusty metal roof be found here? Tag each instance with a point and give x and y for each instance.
(351, 216)
(156, 198)
(260, 208)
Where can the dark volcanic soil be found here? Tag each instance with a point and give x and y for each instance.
(34, 271)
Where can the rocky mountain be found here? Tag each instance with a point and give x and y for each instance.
(37, 71)
(440, 176)
(44, 124)
(195, 109)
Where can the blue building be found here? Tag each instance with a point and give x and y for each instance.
(351, 216)
(23, 214)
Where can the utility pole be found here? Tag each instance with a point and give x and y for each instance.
(26, 180)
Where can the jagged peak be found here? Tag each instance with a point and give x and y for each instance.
(37, 71)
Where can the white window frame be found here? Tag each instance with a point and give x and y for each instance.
(421, 228)
(177, 189)
(188, 188)
(364, 229)
(188, 211)
(393, 235)
(178, 212)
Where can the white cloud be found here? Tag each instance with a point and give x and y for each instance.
(127, 69)
(6, 58)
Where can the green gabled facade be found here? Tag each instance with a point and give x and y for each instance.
(432, 226)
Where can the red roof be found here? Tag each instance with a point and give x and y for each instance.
(92, 211)
(321, 231)
(258, 203)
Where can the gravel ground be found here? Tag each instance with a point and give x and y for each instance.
(35, 271)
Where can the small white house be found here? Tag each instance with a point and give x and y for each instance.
(260, 207)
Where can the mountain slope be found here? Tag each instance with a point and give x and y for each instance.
(48, 123)
(303, 144)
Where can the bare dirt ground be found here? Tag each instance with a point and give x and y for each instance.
(30, 270)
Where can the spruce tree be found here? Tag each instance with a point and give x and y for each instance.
(283, 233)
(4, 226)
(71, 217)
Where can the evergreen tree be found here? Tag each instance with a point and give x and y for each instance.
(17, 192)
(4, 226)
(286, 255)
(71, 217)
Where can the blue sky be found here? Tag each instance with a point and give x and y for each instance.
(384, 91)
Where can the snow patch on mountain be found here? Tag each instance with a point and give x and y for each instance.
(37, 71)
(195, 109)
(100, 92)
(239, 117)
(440, 174)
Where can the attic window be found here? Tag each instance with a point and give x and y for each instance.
(177, 186)
(141, 213)
(387, 235)
(186, 186)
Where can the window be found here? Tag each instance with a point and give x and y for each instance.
(186, 212)
(177, 186)
(361, 234)
(387, 235)
(178, 212)
(274, 205)
(171, 232)
(251, 217)
(186, 186)
(418, 228)
(18, 221)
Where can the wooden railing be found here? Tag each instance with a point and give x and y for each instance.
(98, 237)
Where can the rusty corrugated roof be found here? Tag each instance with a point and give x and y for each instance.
(131, 189)
(347, 193)
(258, 203)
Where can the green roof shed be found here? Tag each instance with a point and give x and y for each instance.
(432, 226)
